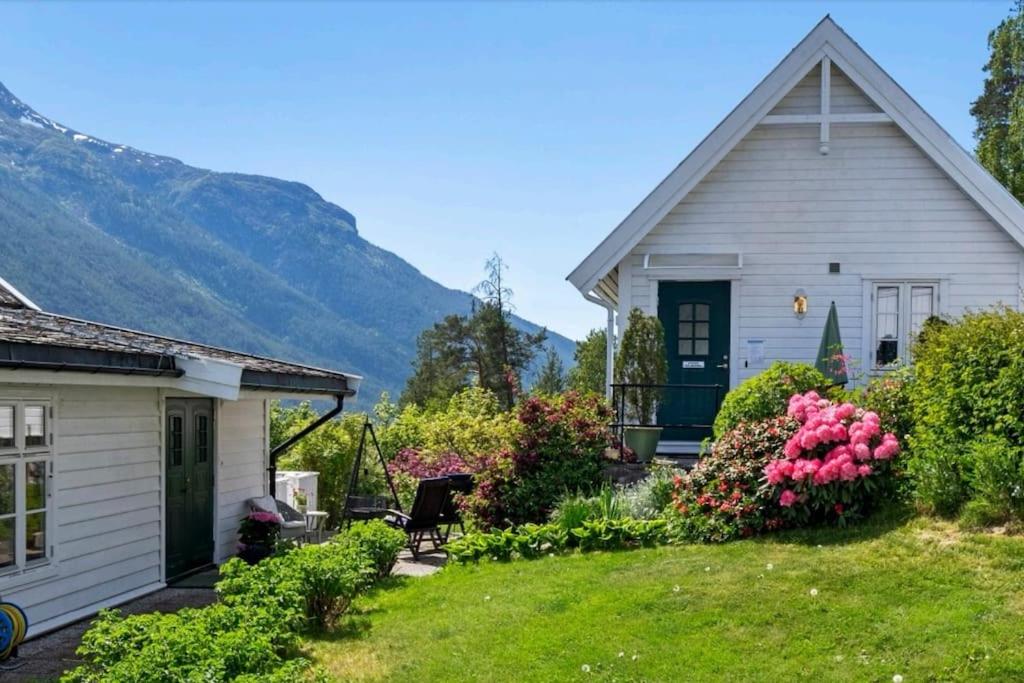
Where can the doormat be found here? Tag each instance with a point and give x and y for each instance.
(204, 579)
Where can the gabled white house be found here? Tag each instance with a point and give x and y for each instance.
(126, 459)
(828, 183)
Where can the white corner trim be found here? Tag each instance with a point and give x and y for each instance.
(18, 295)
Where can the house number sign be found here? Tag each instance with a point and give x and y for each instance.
(693, 365)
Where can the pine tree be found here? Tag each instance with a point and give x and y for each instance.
(588, 375)
(551, 379)
(999, 111)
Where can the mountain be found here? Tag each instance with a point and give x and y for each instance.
(103, 231)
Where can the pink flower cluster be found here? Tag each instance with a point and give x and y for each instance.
(835, 442)
(265, 517)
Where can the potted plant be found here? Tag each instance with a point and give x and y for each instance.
(641, 360)
(299, 496)
(257, 536)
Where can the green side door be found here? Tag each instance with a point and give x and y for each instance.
(189, 485)
(695, 316)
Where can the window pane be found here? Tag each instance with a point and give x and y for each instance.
(35, 425)
(685, 330)
(201, 440)
(35, 536)
(6, 542)
(6, 489)
(177, 439)
(35, 485)
(6, 426)
(685, 347)
(703, 312)
(922, 300)
(700, 330)
(686, 311)
(887, 306)
(700, 347)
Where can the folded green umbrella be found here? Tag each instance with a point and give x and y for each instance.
(831, 361)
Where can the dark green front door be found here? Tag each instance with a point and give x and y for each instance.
(189, 484)
(696, 320)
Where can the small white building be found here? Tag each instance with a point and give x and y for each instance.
(126, 459)
(827, 183)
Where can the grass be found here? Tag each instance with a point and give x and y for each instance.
(917, 598)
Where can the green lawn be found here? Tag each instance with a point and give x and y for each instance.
(916, 598)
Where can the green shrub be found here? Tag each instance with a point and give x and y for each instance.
(215, 643)
(890, 396)
(997, 477)
(969, 385)
(766, 394)
(332, 574)
(378, 541)
(648, 498)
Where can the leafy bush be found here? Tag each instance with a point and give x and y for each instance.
(997, 480)
(722, 497)
(837, 466)
(890, 397)
(573, 510)
(378, 541)
(766, 394)
(535, 540)
(648, 498)
(215, 643)
(411, 465)
(969, 386)
(558, 447)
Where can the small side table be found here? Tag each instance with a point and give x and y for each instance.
(315, 520)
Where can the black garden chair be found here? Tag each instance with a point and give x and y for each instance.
(458, 483)
(424, 519)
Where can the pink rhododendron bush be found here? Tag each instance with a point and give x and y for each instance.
(837, 464)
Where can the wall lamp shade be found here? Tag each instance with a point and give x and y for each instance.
(800, 303)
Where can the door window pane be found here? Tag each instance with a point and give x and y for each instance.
(35, 536)
(6, 426)
(35, 425)
(700, 347)
(694, 329)
(685, 330)
(887, 306)
(7, 542)
(35, 485)
(202, 447)
(686, 311)
(685, 347)
(922, 300)
(177, 439)
(700, 330)
(703, 312)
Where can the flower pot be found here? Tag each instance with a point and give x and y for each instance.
(254, 552)
(643, 441)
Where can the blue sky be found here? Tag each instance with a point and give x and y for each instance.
(456, 130)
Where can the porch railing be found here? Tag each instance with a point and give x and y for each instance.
(619, 391)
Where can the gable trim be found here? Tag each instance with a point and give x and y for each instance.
(825, 41)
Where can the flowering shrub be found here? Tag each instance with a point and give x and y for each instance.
(411, 465)
(834, 464)
(765, 394)
(723, 497)
(890, 397)
(257, 535)
(559, 446)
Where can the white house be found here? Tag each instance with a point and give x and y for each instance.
(126, 458)
(827, 183)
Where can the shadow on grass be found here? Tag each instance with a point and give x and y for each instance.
(879, 523)
(356, 622)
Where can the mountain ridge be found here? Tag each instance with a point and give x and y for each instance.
(105, 231)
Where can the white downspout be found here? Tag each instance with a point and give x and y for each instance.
(609, 358)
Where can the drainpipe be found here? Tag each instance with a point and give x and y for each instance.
(295, 438)
(609, 333)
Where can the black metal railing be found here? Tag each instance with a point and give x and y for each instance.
(665, 393)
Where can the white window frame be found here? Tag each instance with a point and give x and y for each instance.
(20, 456)
(903, 320)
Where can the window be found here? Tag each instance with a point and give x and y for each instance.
(25, 483)
(900, 310)
(694, 329)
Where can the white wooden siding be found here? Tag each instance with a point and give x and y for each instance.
(875, 204)
(241, 467)
(805, 97)
(107, 498)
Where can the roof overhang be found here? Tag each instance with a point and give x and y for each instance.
(827, 39)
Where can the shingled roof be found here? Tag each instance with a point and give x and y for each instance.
(34, 339)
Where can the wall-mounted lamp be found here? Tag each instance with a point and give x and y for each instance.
(800, 303)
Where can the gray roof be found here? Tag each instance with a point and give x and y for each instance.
(36, 339)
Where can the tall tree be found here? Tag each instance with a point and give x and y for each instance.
(999, 111)
(551, 378)
(588, 375)
(484, 348)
